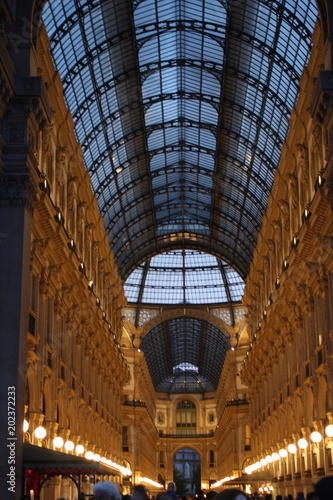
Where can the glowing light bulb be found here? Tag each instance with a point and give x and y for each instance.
(58, 442)
(302, 443)
(316, 437)
(40, 432)
(69, 446)
(329, 430)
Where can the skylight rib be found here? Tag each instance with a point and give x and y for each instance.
(214, 80)
(189, 275)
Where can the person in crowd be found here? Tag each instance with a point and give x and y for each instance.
(200, 495)
(211, 494)
(171, 491)
(278, 497)
(311, 496)
(106, 491)
(324, 488)
(300, 495)
(139, 492)
(231, 494)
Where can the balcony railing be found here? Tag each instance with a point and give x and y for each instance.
(185, 435)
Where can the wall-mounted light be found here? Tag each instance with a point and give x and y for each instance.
(150, 481)
(71, 244)
(44, 186)
(58, 218)
(277, 283)
(294, 241)
(40, 432)
(25, 425)
(283, 453)
(306, 214)
(69, 446)
(292, 448)
(320, 181)
(302, 443)
(82, 268)
(90, 285)
(89, 455)
(316, 437)
(285, 265)
(79, 449)
(329, 430)
(58, 442)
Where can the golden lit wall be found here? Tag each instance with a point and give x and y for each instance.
(288, 366)
(76, 368)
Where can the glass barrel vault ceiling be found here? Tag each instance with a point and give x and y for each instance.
(184, 277)
(190, 354)
(181, 108)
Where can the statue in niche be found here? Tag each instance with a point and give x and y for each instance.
(95, 248)
(80, 216)
(46, 135)
(71, 193)
(293, 188)
(284, 209)
(316, 138)
(303, 161)
(88, 240)
(61, 161)
(278, 234)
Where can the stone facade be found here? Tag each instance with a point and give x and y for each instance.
(73, 359)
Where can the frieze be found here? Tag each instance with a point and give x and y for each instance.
(38, 247)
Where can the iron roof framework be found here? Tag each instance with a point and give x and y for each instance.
(181, 108)
(184, 277)
(190, 354)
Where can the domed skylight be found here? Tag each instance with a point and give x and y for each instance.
(184, 277)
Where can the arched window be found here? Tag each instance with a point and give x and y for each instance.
(186, 417)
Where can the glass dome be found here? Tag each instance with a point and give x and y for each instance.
(184, 277)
